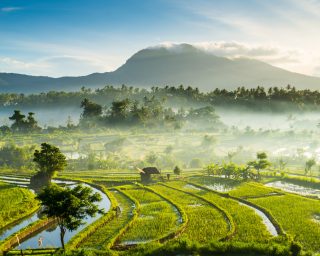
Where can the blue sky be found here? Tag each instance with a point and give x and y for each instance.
(78, 37)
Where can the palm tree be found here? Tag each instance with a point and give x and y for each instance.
(261, 162)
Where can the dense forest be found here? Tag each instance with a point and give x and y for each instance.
(259, 98)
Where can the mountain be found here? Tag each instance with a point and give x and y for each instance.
(159, 66)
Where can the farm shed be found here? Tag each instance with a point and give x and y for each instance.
(146, 173)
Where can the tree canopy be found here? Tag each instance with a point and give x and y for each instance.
(90, 109)
(259, 98)
(69, 206)
(49, 159)
(21, 124)
(261, 162)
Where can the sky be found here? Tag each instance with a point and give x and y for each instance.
(79, 37)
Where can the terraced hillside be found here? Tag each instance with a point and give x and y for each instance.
(196, 213)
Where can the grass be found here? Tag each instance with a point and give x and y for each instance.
(39, 252)
(83, 235)
(252, 189)
(102, 237)
(157, 218)
(15, 203)
(205, 222)
(189, 247)
(149, 213)
(296, 215)
(248, 225)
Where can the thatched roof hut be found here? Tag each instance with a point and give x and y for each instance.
(146, 172)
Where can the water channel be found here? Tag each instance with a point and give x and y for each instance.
(51, 236)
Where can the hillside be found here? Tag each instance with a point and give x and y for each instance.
(161, 66)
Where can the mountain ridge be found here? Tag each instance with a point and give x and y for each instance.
(160, 66)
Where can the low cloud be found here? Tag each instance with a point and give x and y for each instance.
(54, 66)
(235, 49)
(267, 53)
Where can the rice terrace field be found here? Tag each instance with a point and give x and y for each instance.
(159, 128)
(198, 210)
(15, 203)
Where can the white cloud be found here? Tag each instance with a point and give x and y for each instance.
(268, 53)
(51, 59)
(291, 27)
(10, 9)
(55, 66)
(7, 64)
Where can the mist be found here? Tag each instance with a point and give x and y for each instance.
(45, 116)
(236, 135)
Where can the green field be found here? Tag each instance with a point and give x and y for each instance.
(297, 217)
(202, 212)
(189, 209)
(15, 203)
(194, 212)
(102, 237)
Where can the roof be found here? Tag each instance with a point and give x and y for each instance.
(151, 170)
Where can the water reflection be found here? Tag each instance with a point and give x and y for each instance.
(293, 188)
(51, 236)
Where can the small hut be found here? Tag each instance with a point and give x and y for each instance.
(146, 173)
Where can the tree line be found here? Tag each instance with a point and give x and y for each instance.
(260, 97)
(250, 171)
(21, 124)
(147, 112)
